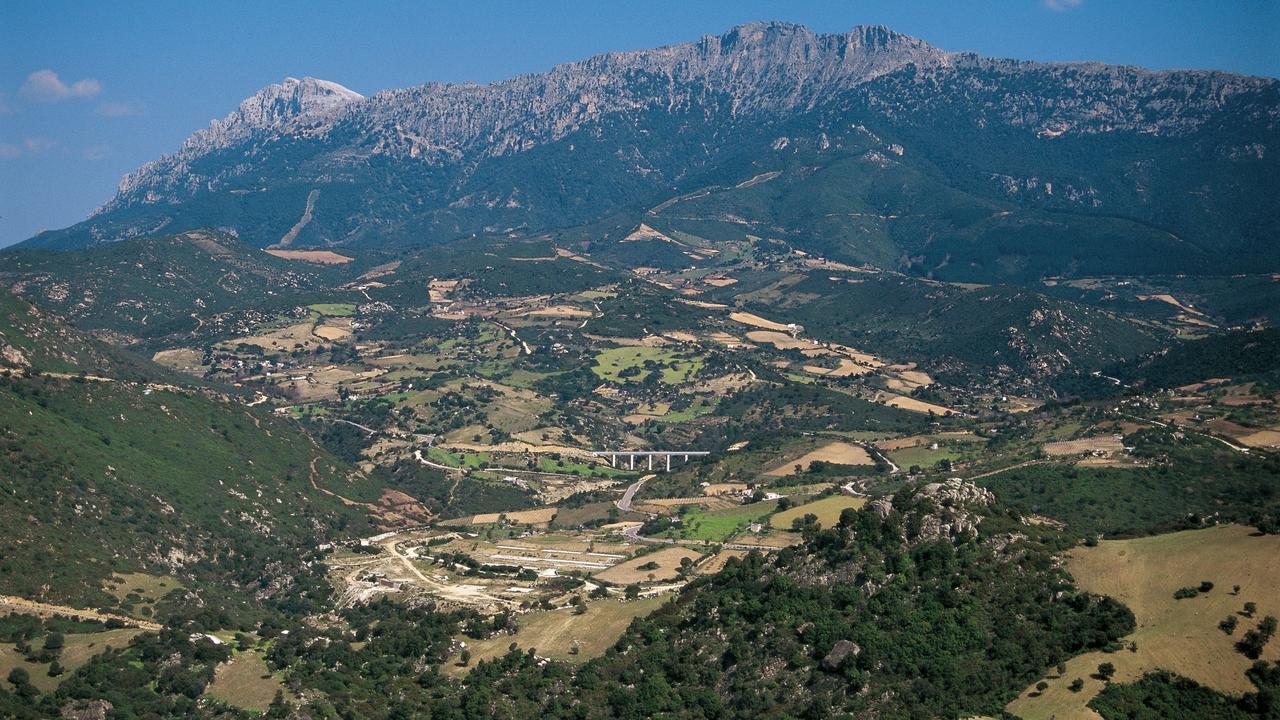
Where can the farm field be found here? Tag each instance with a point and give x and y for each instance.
(1181, 636)
(334, 309)
(837, 453)
(914, 405)
(554, 633)
(720, 525)
(320, 257)
(1099, 443)
(923, 456)
(650, 567)
(827, 510)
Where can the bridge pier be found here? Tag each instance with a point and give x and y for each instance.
(648, 455)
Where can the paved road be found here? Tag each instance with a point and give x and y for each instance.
(625, 503)
(365, 428)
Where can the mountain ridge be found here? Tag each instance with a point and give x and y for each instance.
(619, 133)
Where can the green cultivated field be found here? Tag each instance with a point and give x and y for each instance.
(334, 309)
(635, 364)
(720, 525)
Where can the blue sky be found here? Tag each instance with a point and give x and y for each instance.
(90, 91)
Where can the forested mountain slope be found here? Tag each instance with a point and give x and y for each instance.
(107, 466)
(868, 145)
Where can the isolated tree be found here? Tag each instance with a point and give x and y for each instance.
(1106, 671)
(1076, 685)
(1250, 608)
(465, 659)
(54, 642)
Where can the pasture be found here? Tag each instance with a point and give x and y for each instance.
(334, 309)
(78, 649)
(245, 682)
(556, 633)
(827, 510)
(636, 363)
(652, 567)
(837, 453)
(1181, 636)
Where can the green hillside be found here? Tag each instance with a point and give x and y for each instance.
(120, 473)
(171, 286)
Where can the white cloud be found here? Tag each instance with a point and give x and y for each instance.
(30, 146)
(36, 145)
(114, 108)
(97, 152)
(46, 86)
(1062, 5)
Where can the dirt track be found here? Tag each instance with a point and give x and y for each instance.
(22, 605)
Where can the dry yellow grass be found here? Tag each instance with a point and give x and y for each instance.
(644, 232)
(1262, 438)
(319, 257)
(558, 311)
(703, 304)
(245, 682)
(554, 633)
(747, 318)
(182, 359)
(770, 540)
(292, 337)
(724, 488)
(840, 453)
(827, 510)
(333, 331)
(902, 443)
(536, 516)
(846, 368)
(914, 405)
(1177, 635)
(78, 650)
(632, 571)
(780, 340)
(717, 562)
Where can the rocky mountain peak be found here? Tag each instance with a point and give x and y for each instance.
(719, 87)
(287, 106)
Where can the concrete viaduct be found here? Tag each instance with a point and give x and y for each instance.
(631, 455)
